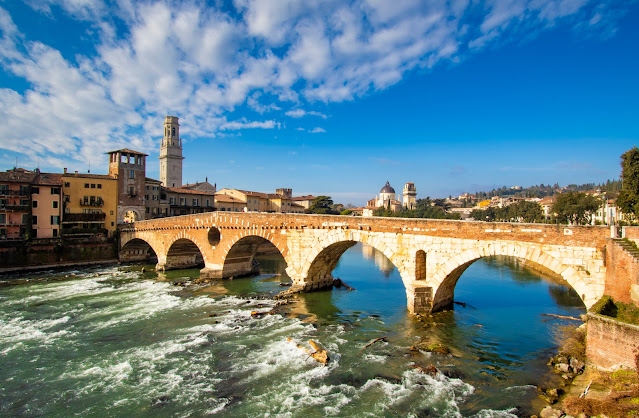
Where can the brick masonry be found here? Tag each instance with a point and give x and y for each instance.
(312, 244)
(611, 344)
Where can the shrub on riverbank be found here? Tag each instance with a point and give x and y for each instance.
(625, 312)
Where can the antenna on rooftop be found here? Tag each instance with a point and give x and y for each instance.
(89, 166)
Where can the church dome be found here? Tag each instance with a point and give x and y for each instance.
(387, 188)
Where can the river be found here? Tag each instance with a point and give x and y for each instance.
(112, 341)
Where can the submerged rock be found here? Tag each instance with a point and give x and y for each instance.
(550, 412)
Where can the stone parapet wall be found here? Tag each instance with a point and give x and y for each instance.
(632, 233)
(611, 344)
(622, 274)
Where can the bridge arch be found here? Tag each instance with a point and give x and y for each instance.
(137, 249)
(184, 251)
(324, 256)
(239, 256)
(445, 279)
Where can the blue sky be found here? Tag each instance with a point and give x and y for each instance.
(329, 96)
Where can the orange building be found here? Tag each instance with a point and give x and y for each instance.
(46, 205)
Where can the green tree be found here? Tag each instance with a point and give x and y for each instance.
(322, 205)
(628, 198)
(346, 212)
(575, 207)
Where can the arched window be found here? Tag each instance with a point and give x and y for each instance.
(173, 131)
(420, 265)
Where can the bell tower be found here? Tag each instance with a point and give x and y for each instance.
(410, 196)
(171, 154)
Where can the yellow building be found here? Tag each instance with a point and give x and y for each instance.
(226, 203)
(90, 203)
(279, 202)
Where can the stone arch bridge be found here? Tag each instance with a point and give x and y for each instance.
(430, 255)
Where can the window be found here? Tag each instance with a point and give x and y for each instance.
(35, 190)
(24, 202)
(35, 203)
(3, 233)
(67, 198)
(55, 204)
(131, 191)
(99, 186)
(55, 233)
(55, 190)
(35, 220)
(146, 196)
(67, 184)
(131, 174)
(86, 185)
(146, 187)
(24, 190)
(25, 218)
(34, 233)
(4, 188)
(93, 185)
(55, 220)
(147, 210)
(3, 218)
(195, 202)
(111, 223)
(111, 214)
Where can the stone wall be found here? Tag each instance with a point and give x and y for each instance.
(53, 251)
(611, 344)
(622, 274)
(632, 233)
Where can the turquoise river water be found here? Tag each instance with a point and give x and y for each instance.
(113, 341)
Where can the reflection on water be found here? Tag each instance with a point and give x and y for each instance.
(117, 342)
(381, 261)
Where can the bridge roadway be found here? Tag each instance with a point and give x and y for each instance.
(430, 255)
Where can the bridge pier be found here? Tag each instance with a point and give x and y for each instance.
(419, 299)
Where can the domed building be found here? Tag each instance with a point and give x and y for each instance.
(388, 199)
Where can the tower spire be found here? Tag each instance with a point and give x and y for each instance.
(171, 154)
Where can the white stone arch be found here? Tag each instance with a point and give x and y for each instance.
(227, 246)
(139, 215)
(184, 234)
(448, 273)
(248, 233)
(144, 238)
(332, 237)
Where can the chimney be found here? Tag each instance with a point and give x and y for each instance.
(65, 170)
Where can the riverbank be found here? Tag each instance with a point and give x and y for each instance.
(57, 266)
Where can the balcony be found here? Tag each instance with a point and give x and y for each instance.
(99, 202)
(15, 208)
(83, 217)
(4, 192)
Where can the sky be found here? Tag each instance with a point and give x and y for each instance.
(327, 97)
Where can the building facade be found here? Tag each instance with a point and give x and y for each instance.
(15, 203)
(129, 168)
(46, 205)
(90, 204)
(171, 154)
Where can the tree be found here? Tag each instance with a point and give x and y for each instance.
(575, 207)
(628, 199)
(322, 205)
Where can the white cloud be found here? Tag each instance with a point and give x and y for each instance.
(178, 57)
(317, 130)
(244, 124)
(300, 113)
